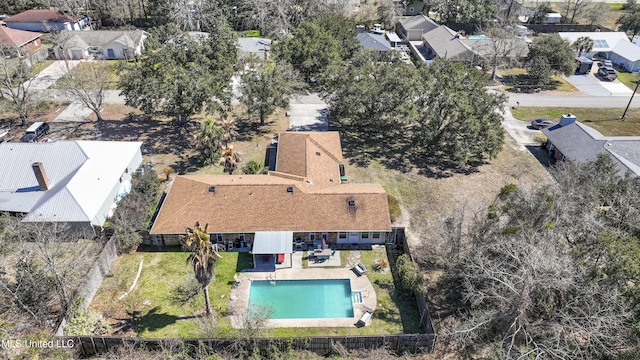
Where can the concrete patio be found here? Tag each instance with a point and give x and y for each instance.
(239, 298)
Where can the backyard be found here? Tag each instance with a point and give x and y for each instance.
(157, 307)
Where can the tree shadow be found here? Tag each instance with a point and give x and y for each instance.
(524, 83)
(154, 320)
(249, 128)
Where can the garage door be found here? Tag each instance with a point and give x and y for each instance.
(77, 54)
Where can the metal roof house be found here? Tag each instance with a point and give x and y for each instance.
(307, 200)
(76, 182)
(578, 142)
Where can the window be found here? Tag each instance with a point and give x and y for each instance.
(364, 235)
(376, 235)
(324, 236)
(342, 235)
(219, 238)
(312, 236)
(241, 236)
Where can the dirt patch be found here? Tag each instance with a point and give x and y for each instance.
(46, 111)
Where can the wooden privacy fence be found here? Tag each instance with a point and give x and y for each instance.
(322, 345)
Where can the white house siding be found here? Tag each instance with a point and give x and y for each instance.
(631, 66)
(102, 214)
(118, 51)
(42, 27)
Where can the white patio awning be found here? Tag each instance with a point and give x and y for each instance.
(273, 242)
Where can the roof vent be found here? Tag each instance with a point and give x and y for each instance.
(352, 203)
(290, 189)
(318, 153)
(212, 189)
(309, 181)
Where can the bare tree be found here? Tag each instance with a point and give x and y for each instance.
(88, 82)
(16, 78)
(597, 13)
(573, 8)
(503, 47)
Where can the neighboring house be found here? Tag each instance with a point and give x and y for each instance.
(19, 42)
(445, 43)
(253, 47)
(306, 200)
(413, 28)
(604, 43)
(45, 21)
(100, 44)
(578, 142)
(627, 55)
(552, 18)
(374, 42)
(75, 182)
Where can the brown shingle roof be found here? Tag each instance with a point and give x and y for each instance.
(37, 15)
(16, 38)
(249, 203)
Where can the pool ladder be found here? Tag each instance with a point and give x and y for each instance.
(272, 279)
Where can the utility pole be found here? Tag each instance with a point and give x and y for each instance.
(629, 104)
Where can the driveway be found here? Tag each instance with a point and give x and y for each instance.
(616, 88)
(521, 131)
(308, 113)
(588, 84)
(52, 73)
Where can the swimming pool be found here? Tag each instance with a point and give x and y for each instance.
(477, 37)
(304, 299)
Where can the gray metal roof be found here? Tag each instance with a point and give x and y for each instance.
(627, 50)
(374, 42)
(273, 242)
(81, 177)
(582, 143)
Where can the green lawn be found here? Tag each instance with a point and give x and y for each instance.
(606, 121)
(154, 311)
(628, 79)
(520, 77)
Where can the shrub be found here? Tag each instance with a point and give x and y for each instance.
(394, 207)
(86, 322)
(380, 264)
(252, 33)
(409, 274)
(253, 167)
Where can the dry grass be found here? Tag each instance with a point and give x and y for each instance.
(426, 201)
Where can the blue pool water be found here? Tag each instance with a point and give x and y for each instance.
(477, 37)
(304, 299)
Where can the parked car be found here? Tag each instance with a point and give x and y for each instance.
(35, 132)
(542, 123)
(607, 73)
(608, 63)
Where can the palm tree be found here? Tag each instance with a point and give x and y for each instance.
(208, 140)
(203, 258)
(583, 43)
(230, 159)
(229, 130)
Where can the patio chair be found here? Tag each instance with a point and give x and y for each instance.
(359, 269)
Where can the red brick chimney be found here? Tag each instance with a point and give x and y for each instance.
(41, 176)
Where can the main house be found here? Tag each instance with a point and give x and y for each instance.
(307, 200)
(578, 142)
(614, 46)
(45, 21)
(100, 44)
(76, 182)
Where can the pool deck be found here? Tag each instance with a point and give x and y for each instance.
(239, 299)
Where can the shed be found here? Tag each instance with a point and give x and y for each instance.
(584, 65)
